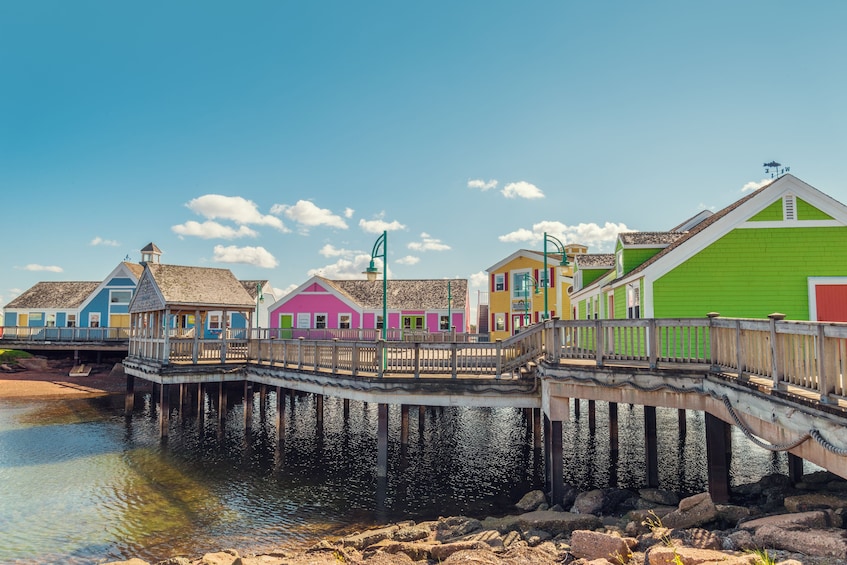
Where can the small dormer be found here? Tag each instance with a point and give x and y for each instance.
(150, 254)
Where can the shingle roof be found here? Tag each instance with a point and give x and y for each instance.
(135, 269)
(151, 247)
(199, 285)
(650, 237)
(404, 294)
(52, 295)
(251, 287)
(595, 260)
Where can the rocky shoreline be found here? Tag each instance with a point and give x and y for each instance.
(769, 522)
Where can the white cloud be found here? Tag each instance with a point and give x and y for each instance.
(346, 269)
(100, 241)
(590, 234)
(306, 213)
(522, 189)
(257, 256)
(239, 210)
(482, 185)
(379, 225)
(755, 185)
(280, 292)
(409, 260)
(479, 280)
(428, 243)
(348, 213)
(211, 230)
(330, 250)
(35, 267)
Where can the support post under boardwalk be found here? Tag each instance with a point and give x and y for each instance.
(248, 405)
(129, 400)
(319, 410)
(592, 415)
(221, 404)
(613, 427)
(164, 410)
(536, 428)
(717, 460)
(404, 424)
(651, 446)
(548, 451)
(280, 414)
(682, 419)
(382, 441)
(576, 408)
(795, 468)
(555, 462)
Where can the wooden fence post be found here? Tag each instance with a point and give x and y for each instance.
(598, 342)
(499, 362)
(776, 361)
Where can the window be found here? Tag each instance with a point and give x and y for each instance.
(214, 321)
(51, 321)
(94, 320)
(619, 262)
(443, 323)
(499, 322)
(120, 297)
(499, 282)
(633, 301)
(379, 322)
(522, 283)
(320, 321)
(590, 312)
(344, 321)
(71, 322)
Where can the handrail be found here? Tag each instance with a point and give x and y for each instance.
(810, 357)
(71, 334)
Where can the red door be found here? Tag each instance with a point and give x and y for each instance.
(831, 302)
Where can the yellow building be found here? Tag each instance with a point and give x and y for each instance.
(518, 296)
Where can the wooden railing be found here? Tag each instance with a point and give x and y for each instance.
(810, 356)
(63, 334)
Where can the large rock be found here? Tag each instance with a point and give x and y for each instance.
(814, 501)
(445, 550)
(369, 537)
(590, 545)
(816, 519)
(692, 511)
(547, 520)
(665, 555)
(823, 543)
(659, 496)
(590, 502)
(531, 501)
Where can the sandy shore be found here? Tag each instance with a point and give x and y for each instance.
(50, 378)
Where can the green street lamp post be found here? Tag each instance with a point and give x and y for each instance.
(560, 247)
(259, 298)
(527, 280)
(372, 272)
(449, 304)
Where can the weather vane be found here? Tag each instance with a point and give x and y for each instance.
(775, 169)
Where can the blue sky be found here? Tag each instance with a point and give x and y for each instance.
(279, 139)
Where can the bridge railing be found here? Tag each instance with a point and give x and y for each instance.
(63, 334)
(806, 355)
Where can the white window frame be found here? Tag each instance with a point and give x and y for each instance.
(325, 320)
(94, 318)
(349, 320)
(70, 320)
(118, 293)
(499, 282)
(524, 279)
(304, 320)
(500, 322)
(215, 321)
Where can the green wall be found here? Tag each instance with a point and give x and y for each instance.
(632, 258)
(772, 213)
(750, 273)
(806, 211)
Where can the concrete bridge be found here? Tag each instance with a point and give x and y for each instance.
(782, 383)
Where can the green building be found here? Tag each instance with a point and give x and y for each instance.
(782, 248)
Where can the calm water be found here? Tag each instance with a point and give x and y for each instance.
(79, 483)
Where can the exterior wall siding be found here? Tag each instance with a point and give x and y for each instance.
(806, 211)
(751, 273)
(632, 258)
(773, 213)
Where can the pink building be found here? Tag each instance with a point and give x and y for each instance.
(413, 305)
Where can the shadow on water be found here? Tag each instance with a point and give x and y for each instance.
(108, 487)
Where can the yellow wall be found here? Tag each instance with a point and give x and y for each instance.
(501, 302)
